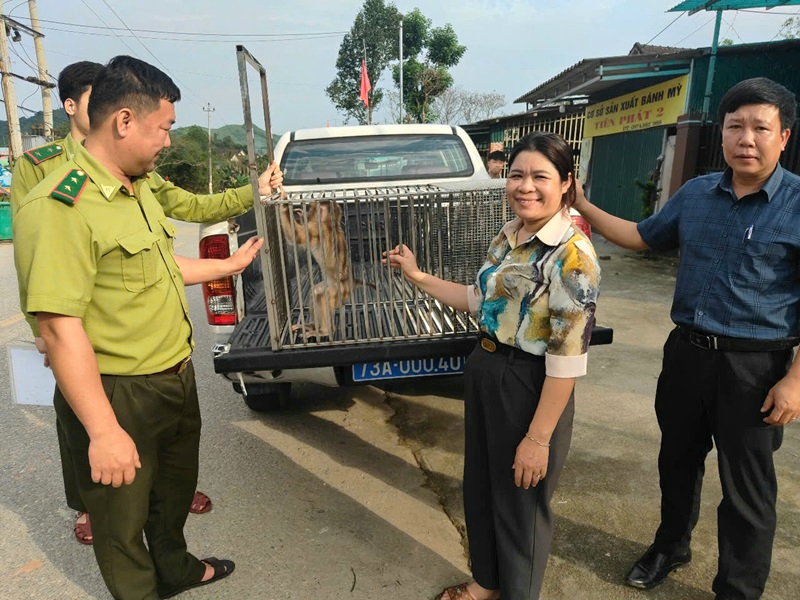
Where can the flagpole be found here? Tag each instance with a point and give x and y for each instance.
(401, 70)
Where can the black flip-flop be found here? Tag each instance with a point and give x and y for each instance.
(222, 568)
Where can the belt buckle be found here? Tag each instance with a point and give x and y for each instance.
(706, 342)
(488, 345)
(184, 364)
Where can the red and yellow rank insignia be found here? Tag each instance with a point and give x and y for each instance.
(43, 153)
(70, 187)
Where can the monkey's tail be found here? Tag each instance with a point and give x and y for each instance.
(366, 283)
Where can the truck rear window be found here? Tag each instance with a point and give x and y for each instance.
(375, 158)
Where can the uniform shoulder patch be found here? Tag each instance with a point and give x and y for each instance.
(43, 153)
(70, 187)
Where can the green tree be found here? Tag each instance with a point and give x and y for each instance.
(376, 28)
(428, 53)
(790, 29)
(185, 158)
(185, 162)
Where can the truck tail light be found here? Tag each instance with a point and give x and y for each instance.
(219, 295)
(582, 224)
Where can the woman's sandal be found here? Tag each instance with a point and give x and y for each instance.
(222, 568)
(201, 503)
(83, 531)
(456, 592)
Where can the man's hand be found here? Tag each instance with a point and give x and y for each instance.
(580, 197)
(113, 458)
(41, 346)
(269, 180)
(246, 253)
(782, 402)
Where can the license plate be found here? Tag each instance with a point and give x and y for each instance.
(416, 367)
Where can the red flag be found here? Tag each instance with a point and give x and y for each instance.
(365, 85)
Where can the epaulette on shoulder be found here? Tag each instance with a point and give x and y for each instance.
(70, 187)
(43, 153)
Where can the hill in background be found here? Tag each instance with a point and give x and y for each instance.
(237, 134)
(61, 125)
(60, 121)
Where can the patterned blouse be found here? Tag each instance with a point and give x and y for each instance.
(540, 296)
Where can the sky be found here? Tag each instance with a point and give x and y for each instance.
(512, 45)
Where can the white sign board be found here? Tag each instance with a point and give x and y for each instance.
(31, 381)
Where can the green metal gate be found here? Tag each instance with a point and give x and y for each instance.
(617, 162)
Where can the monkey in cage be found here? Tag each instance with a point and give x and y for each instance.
(318, 227)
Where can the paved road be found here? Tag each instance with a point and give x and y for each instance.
(355, 493)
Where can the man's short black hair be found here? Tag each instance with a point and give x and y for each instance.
(75, 79)
(760, 90)
(496, 155)
(129, 82)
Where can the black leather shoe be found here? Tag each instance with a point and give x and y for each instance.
(653, 567)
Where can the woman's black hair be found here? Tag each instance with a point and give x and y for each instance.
(556, 150)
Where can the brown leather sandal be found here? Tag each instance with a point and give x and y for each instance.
(201, 503)
(83, 531)
(456, 592)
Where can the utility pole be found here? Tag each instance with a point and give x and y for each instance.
(209, 110)
(47, 105)
(14, 135)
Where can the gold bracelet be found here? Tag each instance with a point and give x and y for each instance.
(533, 439)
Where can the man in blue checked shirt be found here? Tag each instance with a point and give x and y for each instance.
(728, 374)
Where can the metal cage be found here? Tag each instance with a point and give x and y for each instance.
(324, 279)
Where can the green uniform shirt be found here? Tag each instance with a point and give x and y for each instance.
(177, 203)
(108, 259)
(33, 166)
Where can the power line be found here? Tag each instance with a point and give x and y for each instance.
(696, 30)
(197, 33)
(188, 89)
(17, 54)
(762, 12)
(201, 40)
(16, 6)
(35, 112)
(730, 26)
(106, 24)
(665, 28)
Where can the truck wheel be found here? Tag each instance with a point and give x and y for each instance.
(266, 397)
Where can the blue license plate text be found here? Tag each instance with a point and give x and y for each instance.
(415, 367)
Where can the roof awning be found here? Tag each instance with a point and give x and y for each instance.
(694, 6)
(593, 75)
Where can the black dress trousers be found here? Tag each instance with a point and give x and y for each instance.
(510, 529)
(707, 397)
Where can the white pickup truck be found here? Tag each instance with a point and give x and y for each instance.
(423, 185)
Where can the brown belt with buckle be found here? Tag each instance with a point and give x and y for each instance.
(176, 369)
(492, 346)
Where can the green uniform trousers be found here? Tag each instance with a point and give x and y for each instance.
(162, 416)
(71, 490)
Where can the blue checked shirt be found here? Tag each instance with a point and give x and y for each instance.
(738, 271)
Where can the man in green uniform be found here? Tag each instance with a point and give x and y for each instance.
(96, 267)
(74, 88)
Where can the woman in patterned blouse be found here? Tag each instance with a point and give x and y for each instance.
(535, 300)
